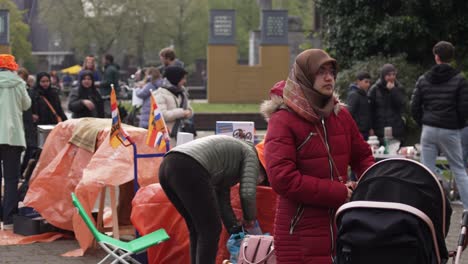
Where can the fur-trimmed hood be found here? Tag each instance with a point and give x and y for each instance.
(268, 107)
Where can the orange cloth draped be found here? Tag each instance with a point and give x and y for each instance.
(152, 210)
(64, 168)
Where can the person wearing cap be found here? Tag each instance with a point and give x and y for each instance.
(14, 99)
(311, 141)
(387, 102)
(440, 105)
(172, 100)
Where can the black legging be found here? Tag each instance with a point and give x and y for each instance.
(187, 185)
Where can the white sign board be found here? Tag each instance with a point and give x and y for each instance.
(238, 129)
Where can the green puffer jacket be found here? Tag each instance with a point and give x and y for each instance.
(228, 161)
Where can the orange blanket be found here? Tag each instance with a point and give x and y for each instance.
(152, 210)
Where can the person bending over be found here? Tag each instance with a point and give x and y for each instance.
(197, 178)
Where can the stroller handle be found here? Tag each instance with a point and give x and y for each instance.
(464, 225)
(462, 238)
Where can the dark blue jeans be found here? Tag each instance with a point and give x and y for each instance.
(10, 157)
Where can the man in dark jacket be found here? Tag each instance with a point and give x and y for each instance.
(110, 76)
(440, 105)
(387, 102)
(197, 178)
(168, 58)
(358, 103)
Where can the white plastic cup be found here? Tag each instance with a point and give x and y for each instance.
(388, 132)
(183, 137)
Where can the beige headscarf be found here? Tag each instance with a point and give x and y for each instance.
(299, 93)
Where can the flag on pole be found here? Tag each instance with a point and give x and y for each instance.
(157, 137)
(118, 134)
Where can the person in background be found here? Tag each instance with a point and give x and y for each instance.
(311, 141)
(172, 100)
(110, 76)
(387, 102)
(46, 106)
(197, 178)
(168, 58)
(89, 64)
(55, 81)
(141, 78)
(153, 83)
(358, 103)
(30, 130)
(31, 81)
(14, 100)
(440, 105)
(67, 82)
(85, 100)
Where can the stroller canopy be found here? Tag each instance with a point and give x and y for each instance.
(409, 184)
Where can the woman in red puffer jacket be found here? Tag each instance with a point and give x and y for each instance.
(310, 143)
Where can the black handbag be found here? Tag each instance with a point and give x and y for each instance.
(189, 127)
(183, 125)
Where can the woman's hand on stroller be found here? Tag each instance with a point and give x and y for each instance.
(350, 187)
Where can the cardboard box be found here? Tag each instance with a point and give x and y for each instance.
(244, 130)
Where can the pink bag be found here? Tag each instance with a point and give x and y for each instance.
(257, 250)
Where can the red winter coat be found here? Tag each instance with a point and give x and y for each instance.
(299, 171)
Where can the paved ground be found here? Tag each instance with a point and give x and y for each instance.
(50, 252)
(47, 253)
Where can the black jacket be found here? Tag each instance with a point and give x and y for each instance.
(359, 107)
(78, 109)
(110, 76)
(440, 98)
(30, 129)
(40, 107)
(387, 107)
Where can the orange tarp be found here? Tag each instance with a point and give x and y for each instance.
(152, 210)
(64, 168)
(7, 237)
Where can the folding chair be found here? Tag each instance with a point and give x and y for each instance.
(120, 250)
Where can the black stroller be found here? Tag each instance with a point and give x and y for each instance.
(398, 214)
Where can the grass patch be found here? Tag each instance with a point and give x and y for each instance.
(211, 108)
(225, 108)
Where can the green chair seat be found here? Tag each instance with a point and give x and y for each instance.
(119, 249)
